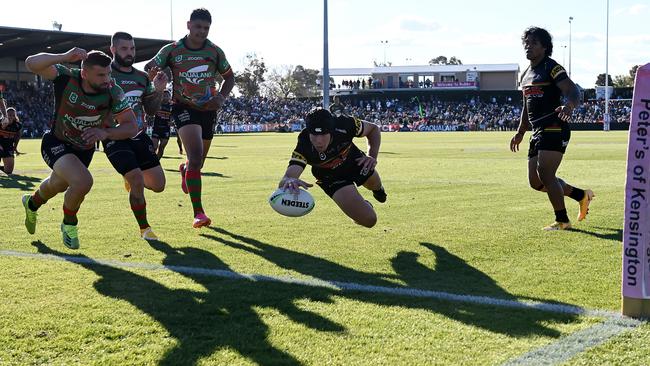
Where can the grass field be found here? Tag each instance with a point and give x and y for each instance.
(460, 219)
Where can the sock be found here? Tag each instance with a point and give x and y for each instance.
(577, 194)
(140, 213)
(561, 216)
(36, 200)
(69, 216)
(193, 181)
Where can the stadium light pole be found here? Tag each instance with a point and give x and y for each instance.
(171, 21)
(385, 43)
(570, 20)
(606, 117)
(326, 68)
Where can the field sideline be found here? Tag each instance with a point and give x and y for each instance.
(258, 288)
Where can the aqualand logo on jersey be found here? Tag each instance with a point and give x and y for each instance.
(82, 122)
(133, 97)
(197, 74)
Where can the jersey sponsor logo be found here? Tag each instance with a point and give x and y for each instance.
(73, 97)
(534, 91)
(196, 74)
(128, 82)
(133, 97)
(82, 122)
(56, 150)
(88, 106)
(557, 70)
(194, 58)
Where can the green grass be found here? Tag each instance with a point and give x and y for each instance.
(460, 218)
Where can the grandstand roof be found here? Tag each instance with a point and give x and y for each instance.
(423, 69)
(22, 42)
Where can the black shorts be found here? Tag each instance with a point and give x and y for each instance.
(52, 149)
(183, 115)
(7, 148)
(552, 138)
(133, 153)
(348, 174)
(161, 132)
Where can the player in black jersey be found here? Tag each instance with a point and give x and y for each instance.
(337, 163)
(10, 130)
(161, 125)
(543, 84)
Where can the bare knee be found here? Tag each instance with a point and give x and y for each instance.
(136, 181)
(369, 220)
(82, 184)
(547, 176)
(536, 185)
(157, 186)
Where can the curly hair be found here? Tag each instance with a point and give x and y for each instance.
(542, 35)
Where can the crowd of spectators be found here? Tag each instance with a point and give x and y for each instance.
(35, 106)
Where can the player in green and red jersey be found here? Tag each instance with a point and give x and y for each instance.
(135, 158)
(84, 98)
(195, 63)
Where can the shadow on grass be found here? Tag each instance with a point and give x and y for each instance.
(22, 182)
(203, 174)
(224, 316)
(614, 234)
(451, 274)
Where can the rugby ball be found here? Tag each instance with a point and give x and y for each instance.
(289, 204)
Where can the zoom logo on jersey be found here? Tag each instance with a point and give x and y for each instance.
(293, 203)
(196, 74)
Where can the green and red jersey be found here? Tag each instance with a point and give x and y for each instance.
(76, 110)
(136, 86)
(194, 71)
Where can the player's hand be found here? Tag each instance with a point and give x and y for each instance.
(367, 163)
(564, 112)
(160, 81)
(92, 135)
(293, 185)
(215, 103)
(76, 54)
(515, 141)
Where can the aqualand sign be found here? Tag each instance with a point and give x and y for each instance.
(636, 230)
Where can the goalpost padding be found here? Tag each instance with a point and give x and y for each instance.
(636, 232)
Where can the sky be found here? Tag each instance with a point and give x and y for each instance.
(406, 32)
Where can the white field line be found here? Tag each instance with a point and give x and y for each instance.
(567, 347)
(335, 285)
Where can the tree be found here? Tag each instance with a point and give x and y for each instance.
(442, 60)
(304, 82)
(623, 81)
(280, 83)
(250, 80)
(600, 81)
(633, 71)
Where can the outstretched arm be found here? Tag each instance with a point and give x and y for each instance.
(43, 63)
(291, 180)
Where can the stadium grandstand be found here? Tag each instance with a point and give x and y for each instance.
(471, 97)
